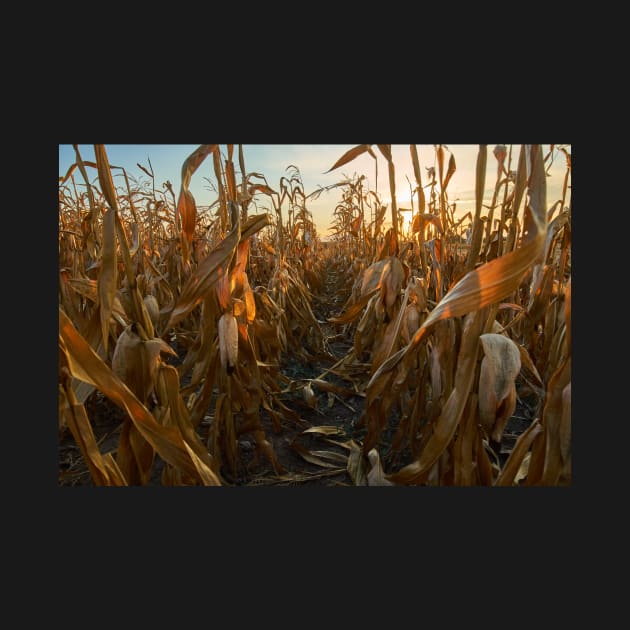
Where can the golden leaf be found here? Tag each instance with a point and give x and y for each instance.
(452, 411)
(490, 282)
(313, 458)
(325, 429)
(356, 465)
(348, 156)
(87, 366)
(512, 466)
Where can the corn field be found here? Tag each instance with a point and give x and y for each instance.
(232, 346)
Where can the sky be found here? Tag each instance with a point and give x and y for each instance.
(312, 160)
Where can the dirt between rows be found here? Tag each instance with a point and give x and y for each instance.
(295, 451)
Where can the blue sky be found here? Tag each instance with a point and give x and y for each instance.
(272, 160)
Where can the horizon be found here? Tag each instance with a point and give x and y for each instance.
(314, 162)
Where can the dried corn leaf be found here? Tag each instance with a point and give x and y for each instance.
(356, 465)
(355, 225)
(452, 411)
(238, 272)
(333, 456)
(464, 469)
(436, 250)
(552, 420)
(450, 172)
(329, 387)
(89, 289)
(143, 456)
(135, 361)
(208, 478)
(261, 188)
(353, 310)
(481, 287)
(387, 274)
(418, 292)
(389, 248)
(87, 366)
(186, 208)
(204, 277)
(350, 155)
(491, 282)
(512, 466)
(393, 281)
(325, 429)
(238, 309)
(386, 150)
(528, 364)
(504, 412)
(104, 472)
(250, 302)
(82, 390)
(391, 335)
(180, 416)
(537, 460)
(222, 288)
(416, 223)
(421, 220)
(254, 224)
(312, 458)
(66, 177)
(485, 467)
(135, 240)
(541, 291)
(346, 444)
(523, 469)
(289, 479)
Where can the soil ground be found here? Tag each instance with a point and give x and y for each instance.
(291, 443)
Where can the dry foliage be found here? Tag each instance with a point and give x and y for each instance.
(183, 318)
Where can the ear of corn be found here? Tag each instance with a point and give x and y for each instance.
(228, 341)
